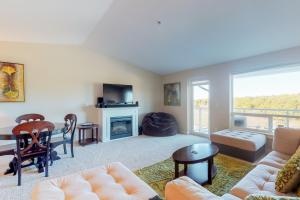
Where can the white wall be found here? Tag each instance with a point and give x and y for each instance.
(219, 77)
(66, 79)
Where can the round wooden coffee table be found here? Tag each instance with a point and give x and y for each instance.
(198, 161)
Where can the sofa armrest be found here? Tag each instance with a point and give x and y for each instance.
(286, 140)
(185, 188)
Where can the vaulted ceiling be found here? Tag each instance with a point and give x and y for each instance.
(161, 36)
(50, 21)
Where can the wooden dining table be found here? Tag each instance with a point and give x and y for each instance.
(6, 135)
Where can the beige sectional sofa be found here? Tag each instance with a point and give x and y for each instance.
(116, 182)
(261, 180)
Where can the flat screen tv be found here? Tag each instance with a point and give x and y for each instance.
(117, 94)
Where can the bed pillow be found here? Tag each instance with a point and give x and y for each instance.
(288, 178)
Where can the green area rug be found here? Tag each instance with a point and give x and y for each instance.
(230, 171)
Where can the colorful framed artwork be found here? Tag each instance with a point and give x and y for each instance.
(172, 94)
(11, 82)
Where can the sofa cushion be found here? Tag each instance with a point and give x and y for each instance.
(184, 188)
(229, 197)
(298, 191)
(286, 140)
(275, 159)
(259, 180)
(111, 182)
(288, 177)
(246, 140)
(266, 197)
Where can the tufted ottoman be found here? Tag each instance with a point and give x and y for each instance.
(241, 144)
(110, 182)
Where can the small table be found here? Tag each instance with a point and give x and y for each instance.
(82, 130)
(198, 161)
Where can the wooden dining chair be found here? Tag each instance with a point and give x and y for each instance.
(39, 133)
(27, 118)
(30, 117)
(68, 135)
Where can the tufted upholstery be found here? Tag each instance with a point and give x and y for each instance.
(240, 139)
(260, 180)
(111, 182)
(275, 159)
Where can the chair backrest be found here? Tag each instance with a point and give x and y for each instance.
(29, 117)
(39, 134)
(70, 124)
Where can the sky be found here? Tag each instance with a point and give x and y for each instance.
(267, 84)
(264, 83)
(200, 93)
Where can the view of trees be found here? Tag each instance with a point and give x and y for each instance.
(287, 101)
(277, 102)
(200, 103)
(284, 105)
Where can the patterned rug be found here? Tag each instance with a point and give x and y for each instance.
(230, 171)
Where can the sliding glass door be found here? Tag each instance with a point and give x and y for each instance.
(200, 107)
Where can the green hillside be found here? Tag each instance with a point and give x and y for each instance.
(275, 102)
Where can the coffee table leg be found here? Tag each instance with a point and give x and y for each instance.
(185, 169)
(209, 167)
(176, 170)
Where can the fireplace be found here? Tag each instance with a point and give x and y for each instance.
(117, 120)
(120, 127)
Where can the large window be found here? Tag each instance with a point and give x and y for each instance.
(267, 99)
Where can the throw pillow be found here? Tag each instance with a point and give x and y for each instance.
(288, 177)
(266, 197)
(298, 191)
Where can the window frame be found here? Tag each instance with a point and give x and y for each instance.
(268, 132)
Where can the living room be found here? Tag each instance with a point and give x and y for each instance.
(149, 100)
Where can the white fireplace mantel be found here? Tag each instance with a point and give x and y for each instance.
(105, 114)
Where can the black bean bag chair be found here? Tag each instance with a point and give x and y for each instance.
(159, 124)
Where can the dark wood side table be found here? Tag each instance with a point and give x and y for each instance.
(198, 162)
(94, 128)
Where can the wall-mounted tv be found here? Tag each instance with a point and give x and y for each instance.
(117, 94)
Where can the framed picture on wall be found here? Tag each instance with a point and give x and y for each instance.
(172, 94)
(11, 82)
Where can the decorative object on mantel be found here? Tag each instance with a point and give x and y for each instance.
(82, 128)
(172, 94)
(11, 82)
(159, 124)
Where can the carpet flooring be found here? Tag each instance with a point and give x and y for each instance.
(135, 153)
(230, 171)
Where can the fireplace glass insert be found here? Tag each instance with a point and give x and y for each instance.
(120, 127)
